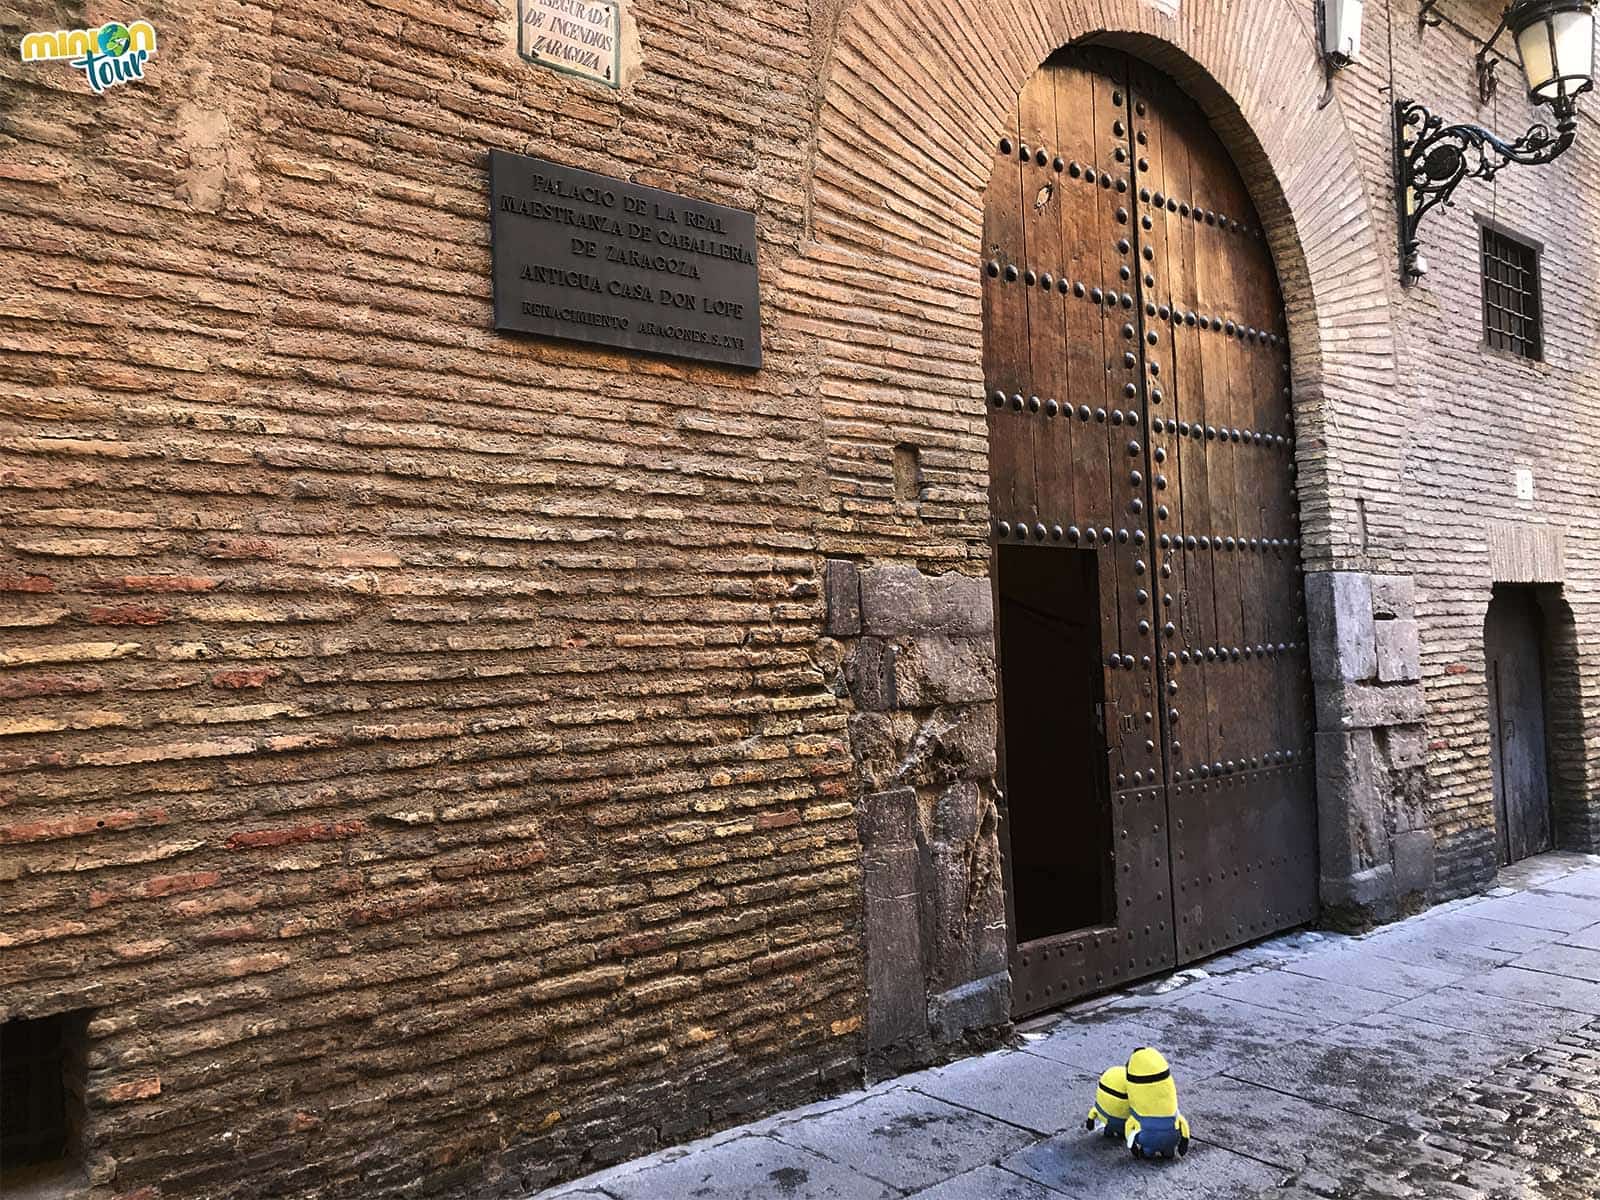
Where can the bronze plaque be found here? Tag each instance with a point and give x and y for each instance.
(594, 259)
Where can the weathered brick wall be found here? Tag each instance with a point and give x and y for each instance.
(415, 750)
(1472, 415)
(421, 746)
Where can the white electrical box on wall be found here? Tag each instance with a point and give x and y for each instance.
(1341, 30)
(1524, 477)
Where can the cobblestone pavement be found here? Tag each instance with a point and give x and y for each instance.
(1456, 1054)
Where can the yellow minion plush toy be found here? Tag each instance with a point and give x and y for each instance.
(1110, 1109)
(1155, 1128)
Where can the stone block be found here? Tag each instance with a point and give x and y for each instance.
(955, 743)
(1407, 746)
(888, 820)
(1371, 890)
(956, 811)
(896, 995)
(1394, 596)
(841, 585)
(1349, 802)
(947, 919)
(937, 669)
(1399, 651)
(870, 672)
(1339, 626)
(981, 1004)
(963, 605)
(965, 908)
(1413, 861)
(993, 949)
(991, 945)
(1367, 706)
(934, 747)
(895, 601)
(891, 871)
(872, 745)
(896, 991)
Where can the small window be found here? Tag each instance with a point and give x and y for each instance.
(43, 1069)
(1511, 319)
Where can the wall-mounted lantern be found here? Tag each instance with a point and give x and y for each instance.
(1555, 41)
(1341, 31)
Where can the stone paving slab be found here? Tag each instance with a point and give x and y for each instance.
(1540, 910)
(906, 1139)
(1377, 1067)
(1466, 928)
(750, 1168)
(1557, 959)
(1588, 938)
(1031, 1090)
(1206, 1033)
(1097, 1041)
(1529, 1130)
(1451, 1053)
(1542, 870)
(1090, 1168)
(1581, 883)
(1516, 1021)
(1269, 1125)
(989, 1183)
(1203, 1033)
(1360, 968)
(1426, 948)
(1300, 995)
(1540, 987)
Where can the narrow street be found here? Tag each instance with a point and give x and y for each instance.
(1455, 1054)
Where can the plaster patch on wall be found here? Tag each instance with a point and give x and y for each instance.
(216, 165)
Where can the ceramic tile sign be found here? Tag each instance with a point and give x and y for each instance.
(578, 37)
(590, 258)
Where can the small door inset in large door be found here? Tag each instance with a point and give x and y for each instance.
(1053, 742)
(1512, 634)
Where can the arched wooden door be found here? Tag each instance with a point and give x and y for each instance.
(1155, 694)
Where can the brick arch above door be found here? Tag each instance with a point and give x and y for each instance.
(913, 95)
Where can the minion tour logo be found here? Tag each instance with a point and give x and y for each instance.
(112, 54)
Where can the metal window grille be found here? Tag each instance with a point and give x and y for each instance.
(1511, 316)
(33, 1093)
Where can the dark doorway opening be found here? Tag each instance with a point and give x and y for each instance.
(1053, 745)
(43, 1075)
(1513, 634)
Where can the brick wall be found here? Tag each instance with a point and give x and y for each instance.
(1473, 414)
(412, 732)
(421, 748)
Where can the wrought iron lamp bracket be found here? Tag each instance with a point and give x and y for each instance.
(1432, 158)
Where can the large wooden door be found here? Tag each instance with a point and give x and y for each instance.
(1512, 632)
(1140, 437)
